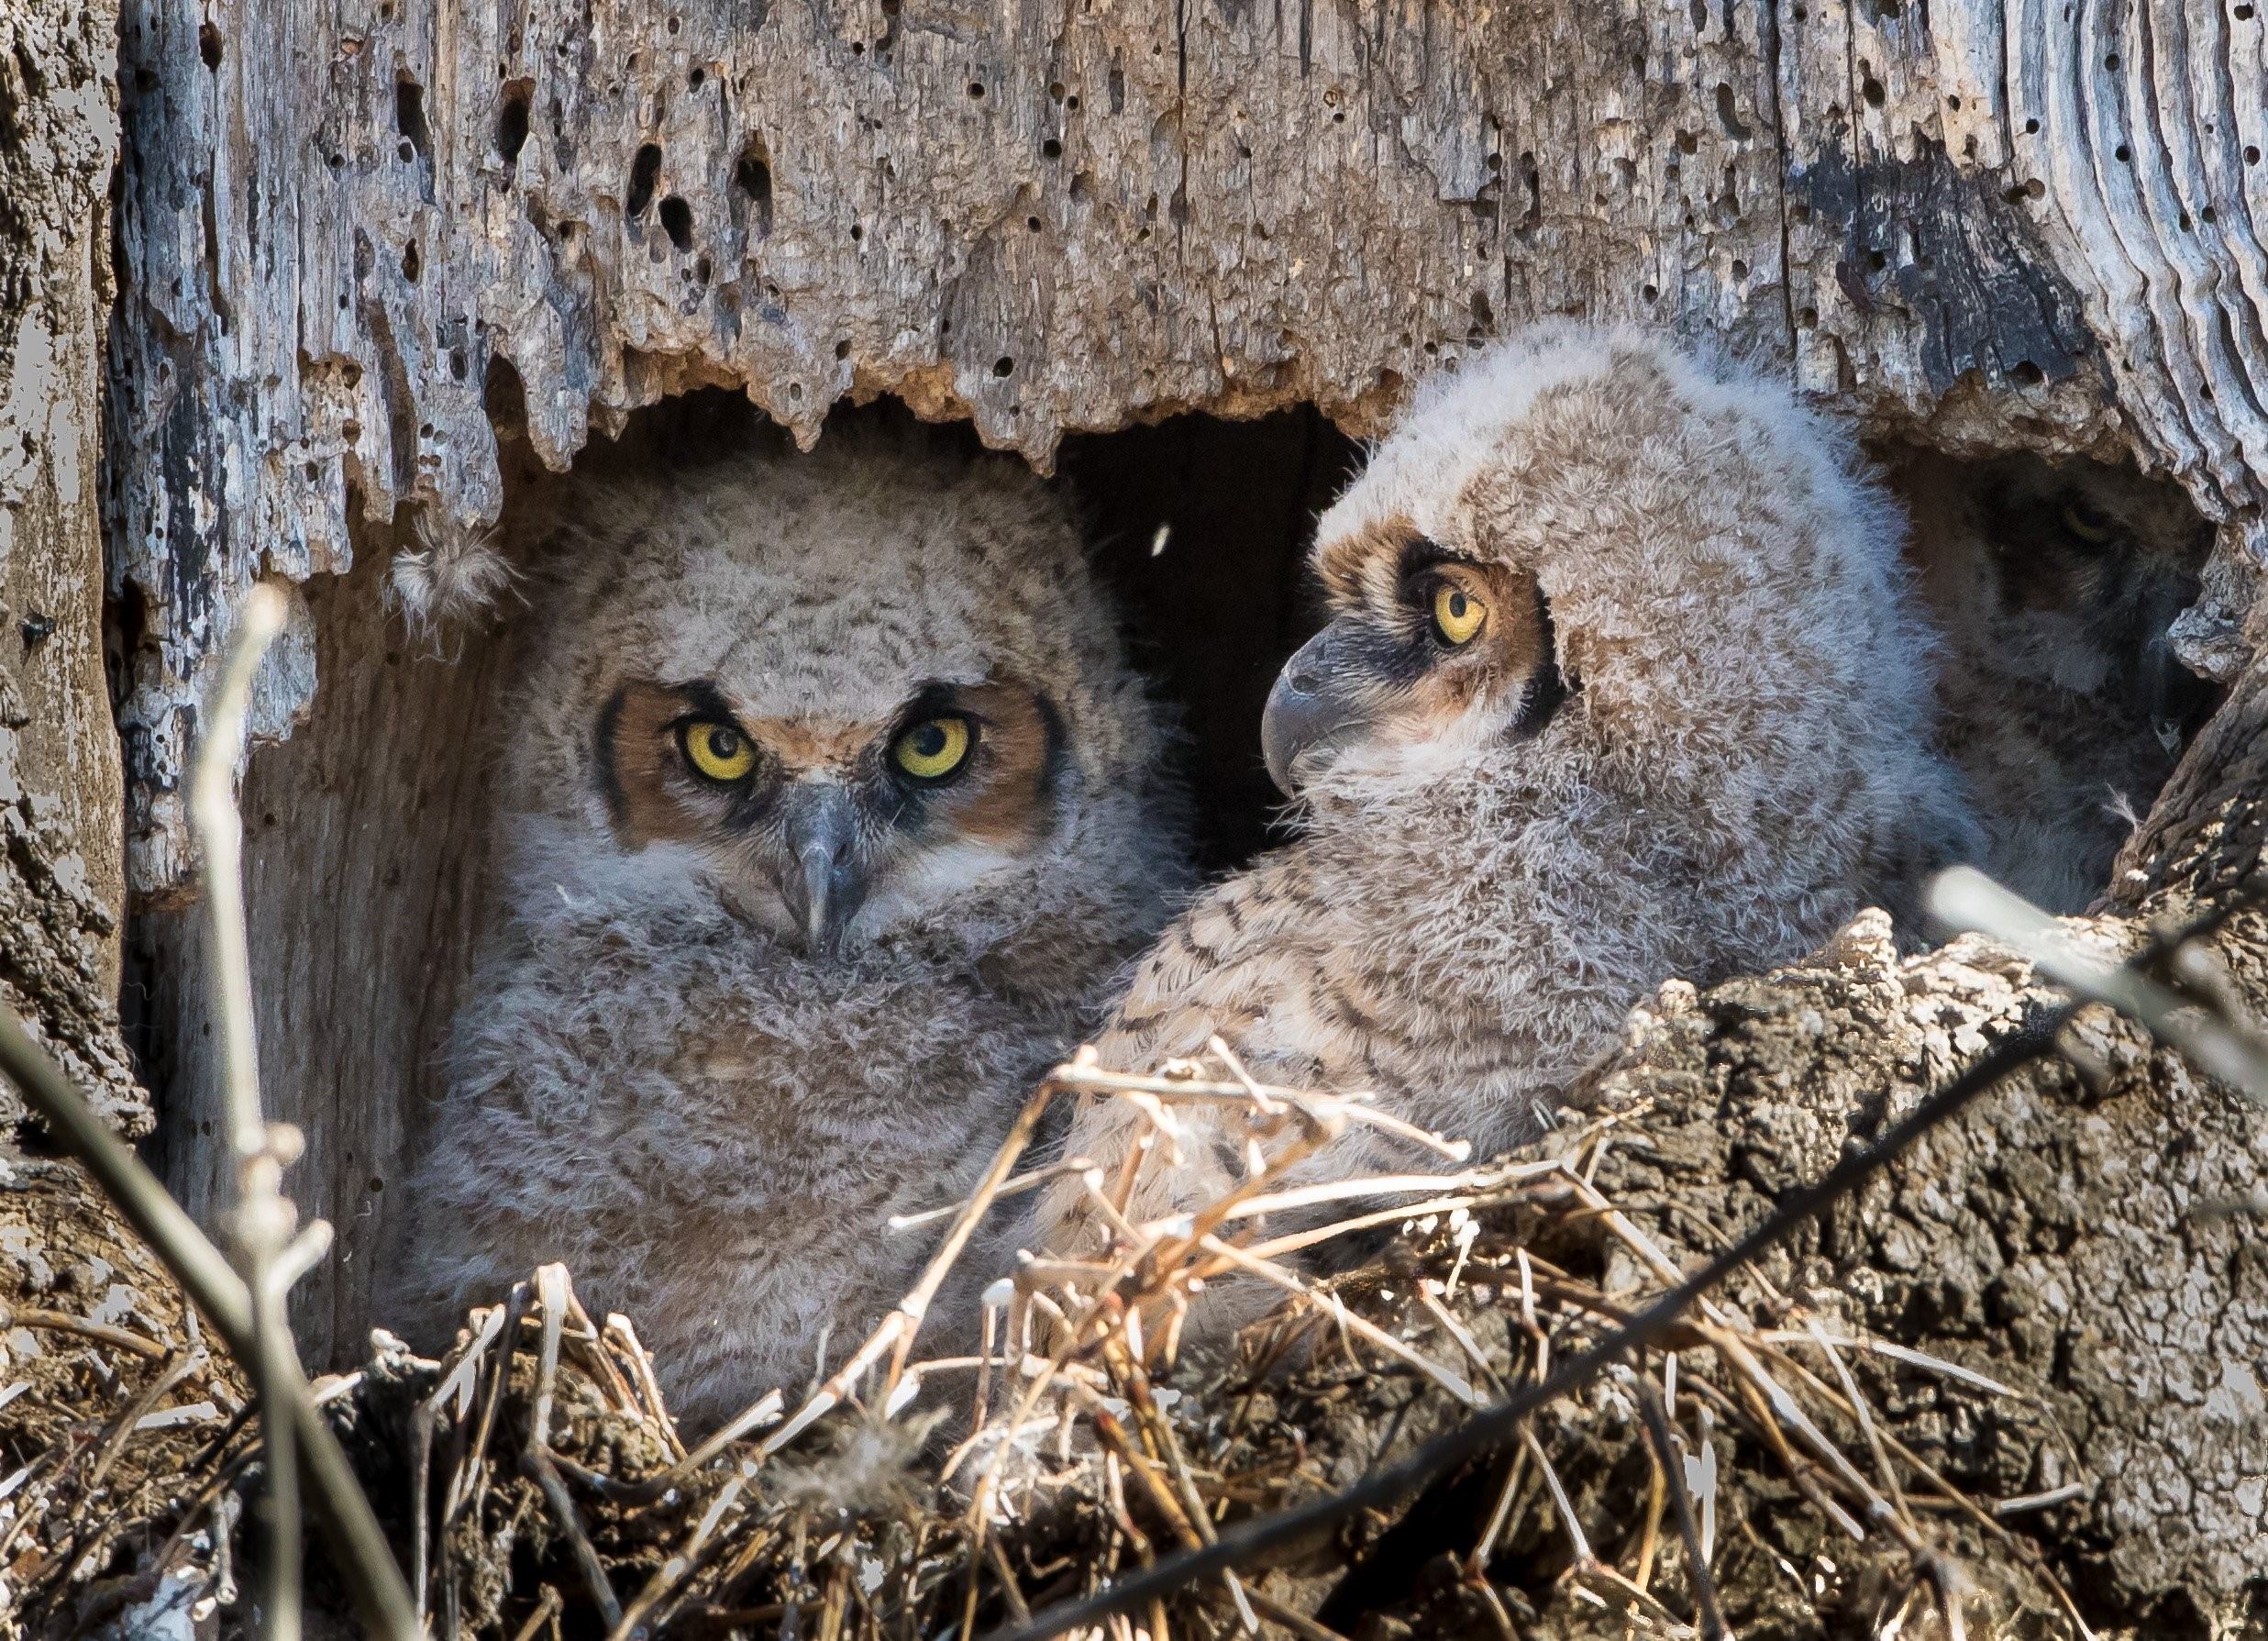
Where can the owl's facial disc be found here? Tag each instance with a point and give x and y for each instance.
(828, 830)
(1436, 650)
(2109, 563)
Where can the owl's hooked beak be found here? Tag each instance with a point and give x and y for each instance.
(821, 879)
(1321, 700)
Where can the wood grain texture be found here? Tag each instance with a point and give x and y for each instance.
(62, 870)
(351, 226)
(366, 845)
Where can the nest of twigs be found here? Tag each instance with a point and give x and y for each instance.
(1758, 1471)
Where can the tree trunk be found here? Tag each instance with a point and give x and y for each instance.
(383, 265)
(61, 886)
(66, 1258)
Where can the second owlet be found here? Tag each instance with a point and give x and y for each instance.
(834, 807)
(1621, 680)
(2065, 706)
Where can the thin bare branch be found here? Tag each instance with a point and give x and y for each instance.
(263, 1219)
(365, 1562)
(1711, 1617)
(2220, 1046)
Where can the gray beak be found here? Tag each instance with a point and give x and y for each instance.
(822, 880)
(1321, 700)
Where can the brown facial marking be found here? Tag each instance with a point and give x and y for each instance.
(1349, 565)
(1006, 797)
(1003, 797)
(642, 770)
(803, 745)
(1511, 649)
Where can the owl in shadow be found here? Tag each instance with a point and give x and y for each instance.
(2064, 703)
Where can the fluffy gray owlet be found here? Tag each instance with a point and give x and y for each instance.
(1622, 680)
(834, 809)
(2064, 704)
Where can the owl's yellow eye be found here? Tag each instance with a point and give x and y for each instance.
(933, 749)
(2089, 523)
(718, 751)
(1458, 615)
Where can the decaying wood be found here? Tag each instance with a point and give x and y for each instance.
(60, 833)
(356, 233)
(367, 840)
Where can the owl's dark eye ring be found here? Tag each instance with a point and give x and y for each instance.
(2086, 523)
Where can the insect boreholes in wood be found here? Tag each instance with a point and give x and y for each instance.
(645, 171)
(753, 177)
(677, 221)
(409, 119)
(512, 120)
(504, 396)
(1729, 115)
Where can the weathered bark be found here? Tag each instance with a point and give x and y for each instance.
(2069, 1236)
(348, 232)
(76, 1288)
(61, 890)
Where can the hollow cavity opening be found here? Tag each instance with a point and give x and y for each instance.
(2054, 588)
(371, 841)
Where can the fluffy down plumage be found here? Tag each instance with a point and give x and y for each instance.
(653, 1078)
(1742, 760)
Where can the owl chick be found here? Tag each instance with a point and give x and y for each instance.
(832, 809)
(1621, 680)
(2065, 706)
